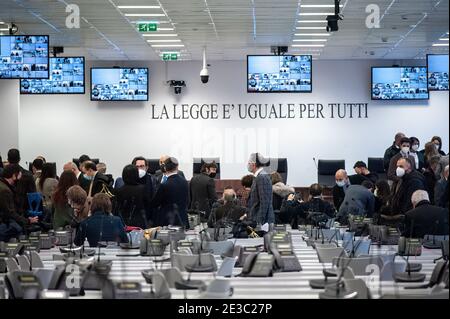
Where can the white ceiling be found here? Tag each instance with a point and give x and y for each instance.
(232, 29)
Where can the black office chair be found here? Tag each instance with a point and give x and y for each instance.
(198, 163)
(376, 165)
(326, 171)
(277, 201)
(153, 166)
(30, 167)
(279, 165)
(110, 180)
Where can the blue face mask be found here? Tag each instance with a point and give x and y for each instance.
(341, 183)
(88, 178)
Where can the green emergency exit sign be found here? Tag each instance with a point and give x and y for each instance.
(170, 56)
(147, 27)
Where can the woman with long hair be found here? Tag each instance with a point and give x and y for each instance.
(46, 184)
(383, 197)
(101, 225)
(437, 141)
(63, 213)
(24, 186)
(430, 152)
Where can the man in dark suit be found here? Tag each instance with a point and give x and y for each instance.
(362, 174)
(405, 147)
(260, 199)
(359, 200)
(226, 210)
(342, 184)
(71, 166)
(410, 181)
(14, 158)
(424, 218)
(172, 197)
(203, 189)
(11, 222)
(97, 182)
(160, 175)
(392, 150)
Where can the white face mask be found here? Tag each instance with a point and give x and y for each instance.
(405, 150)
(437, 146)
(142, 173)
(415, 147)
(375, 192)
(400, 172)
(340, 183)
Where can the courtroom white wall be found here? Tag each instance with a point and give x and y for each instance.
(9, 116)
(61, 127)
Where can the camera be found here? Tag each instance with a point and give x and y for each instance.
(204, 75)
(333, 23)
(177, 85)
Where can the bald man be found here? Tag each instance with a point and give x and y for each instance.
(159, 174)
(71, 166)
(226, 210)
(342, 184)
(424, 218)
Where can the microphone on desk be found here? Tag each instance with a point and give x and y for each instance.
(340, 291)
(197, 266)
(332, 237)
(315, 163)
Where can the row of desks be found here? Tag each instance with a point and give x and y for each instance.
(281, 286)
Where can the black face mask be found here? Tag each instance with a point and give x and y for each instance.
(163, 168)
(212, 175)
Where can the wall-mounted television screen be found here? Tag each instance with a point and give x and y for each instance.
(119, 84)
(66, 77)
(279, 74)
(437, 72)
(399, 83)
(24, 57)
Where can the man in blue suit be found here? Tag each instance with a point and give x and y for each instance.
(260, 200)
(172, 197)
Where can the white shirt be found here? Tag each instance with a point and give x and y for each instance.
(171, 174)
(416, 158)
(258, 171)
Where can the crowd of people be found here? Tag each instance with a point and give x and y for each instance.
(100, 208)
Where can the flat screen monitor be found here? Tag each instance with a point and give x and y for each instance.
(437, 72)
(399, 83)
(24, 57)
(119, 84)
(66, 77)
(279, 74)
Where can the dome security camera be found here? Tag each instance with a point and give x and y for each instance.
(204, 75)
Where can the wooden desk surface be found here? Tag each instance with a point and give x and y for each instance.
(236, 184)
